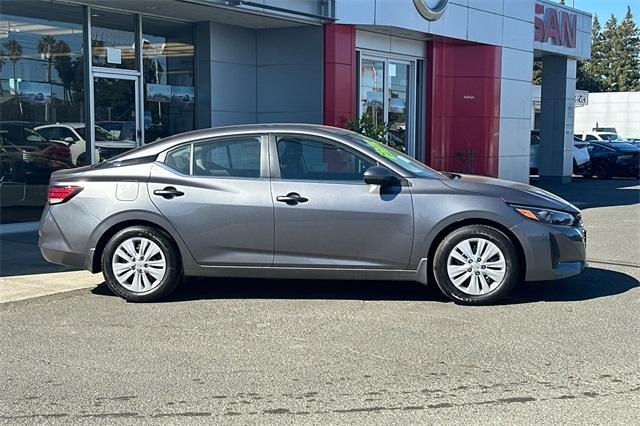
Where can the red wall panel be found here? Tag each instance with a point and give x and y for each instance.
(463, 107)
(339, 74)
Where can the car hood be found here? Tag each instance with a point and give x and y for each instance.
(510, 192)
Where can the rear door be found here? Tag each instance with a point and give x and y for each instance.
(327, 216)
(216, 193)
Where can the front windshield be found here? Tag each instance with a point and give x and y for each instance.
(404, 161)
(609, 137)
(102, 135)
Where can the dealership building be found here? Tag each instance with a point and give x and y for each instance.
(452, 79)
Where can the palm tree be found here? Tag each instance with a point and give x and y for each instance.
(14, 50)
(2, 62)
(46, 49)
(64, 66)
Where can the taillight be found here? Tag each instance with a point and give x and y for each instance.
(62, 194)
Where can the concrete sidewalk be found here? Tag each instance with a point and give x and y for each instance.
(23, 287)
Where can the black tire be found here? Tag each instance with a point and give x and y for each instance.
(173, 273)
(81, 160)
(512, 275)
(603, 171)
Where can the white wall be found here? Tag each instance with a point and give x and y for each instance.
(620, 110)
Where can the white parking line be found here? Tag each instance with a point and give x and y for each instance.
(21, 287)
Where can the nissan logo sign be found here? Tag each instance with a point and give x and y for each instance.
(431, 9)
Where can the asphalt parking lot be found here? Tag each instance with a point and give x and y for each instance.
(305, 352)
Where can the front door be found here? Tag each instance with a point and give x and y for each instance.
(116, 112)
(216, 194)
(325, 214)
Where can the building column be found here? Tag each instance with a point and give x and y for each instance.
(339, 98)
(202, 80)
(555, 155)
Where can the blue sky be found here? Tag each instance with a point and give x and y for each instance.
(604, 8)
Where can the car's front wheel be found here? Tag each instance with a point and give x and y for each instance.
(476, 265)
(141, 264)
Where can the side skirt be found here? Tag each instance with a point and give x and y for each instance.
(282, 272)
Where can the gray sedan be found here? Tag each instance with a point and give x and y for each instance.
(302, 201)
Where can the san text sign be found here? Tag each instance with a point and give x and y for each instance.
(556, 26)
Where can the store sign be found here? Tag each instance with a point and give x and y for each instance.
(431, 9)
(555, 25)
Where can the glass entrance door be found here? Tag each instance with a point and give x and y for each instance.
(116, 114)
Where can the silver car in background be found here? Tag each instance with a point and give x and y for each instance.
(302, 201)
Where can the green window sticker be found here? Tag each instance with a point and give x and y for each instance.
(382, 150)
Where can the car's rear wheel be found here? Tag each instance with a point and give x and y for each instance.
(603, 171)
(476, 265)
(141, 264)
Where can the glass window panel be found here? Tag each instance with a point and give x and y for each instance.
(41, 82)
(179, 159)
(113, 39)
(302, 158)
(115, 116)
(167, 57)
(398, 99)
(239, 157)
(372, 89)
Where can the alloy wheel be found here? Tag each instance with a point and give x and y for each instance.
(476, 266)
(139, 264)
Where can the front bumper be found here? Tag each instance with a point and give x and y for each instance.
(552, 251)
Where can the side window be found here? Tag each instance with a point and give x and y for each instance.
(237, 157)
(179, 159)
(49, 133)
(590, 138)
(67, 133)
(304, 158)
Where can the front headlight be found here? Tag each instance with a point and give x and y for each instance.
(553, 217)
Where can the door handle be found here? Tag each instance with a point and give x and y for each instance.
(292, 198)
(168, 193)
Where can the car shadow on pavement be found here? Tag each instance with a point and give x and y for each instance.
(591, 284)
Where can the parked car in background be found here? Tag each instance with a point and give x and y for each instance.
(580, 153)
(612, 159)
(28, 157)
(305, 202)
(73, 134)
(598, 136)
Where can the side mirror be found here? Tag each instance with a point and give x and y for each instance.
(378, 175)
(68, 139)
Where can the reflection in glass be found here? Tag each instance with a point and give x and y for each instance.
(372, 89)
(41, 83)
(398, 104)
(113, 41)
(167, 57)
(115, 115)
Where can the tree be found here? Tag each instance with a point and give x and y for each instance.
(2, 62)
(620, 59)
(590, 73)
(628, 65)
(14, 51)
(537, 72)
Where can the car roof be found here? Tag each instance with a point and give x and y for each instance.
(73, 125)
(156, 147)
